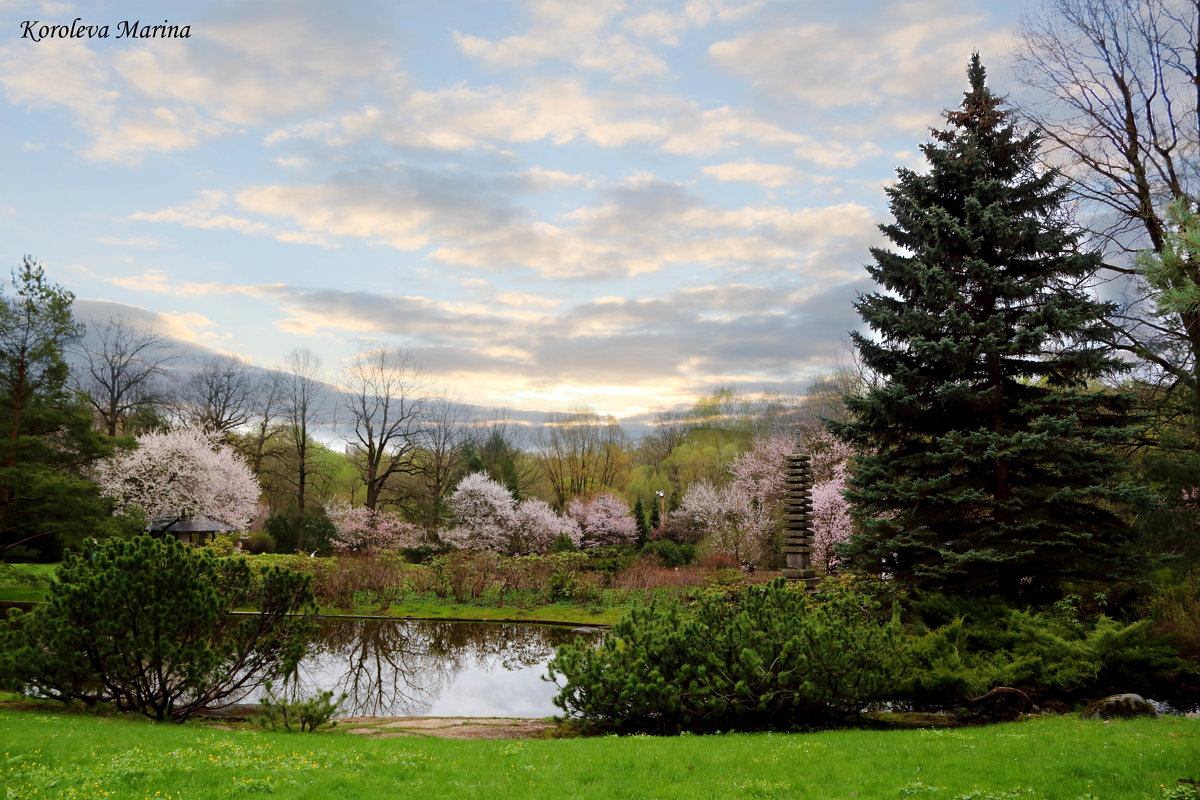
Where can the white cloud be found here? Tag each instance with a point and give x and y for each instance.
(564, 30)
(772, 176)
(909, 51)
(252, 65)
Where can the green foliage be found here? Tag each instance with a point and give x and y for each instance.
(47, 435)
(611, 558)
(1174, 608)
(972, 646)
(988, 462)
(221, 545)
(642, 520)
(288, 529)
(670, 554)
(304, 715)
(1182, 790)
(562, 544)
(768, 657)
(259, 542)
(145, 625)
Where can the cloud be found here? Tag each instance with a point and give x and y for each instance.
(563, 111)
(134, 241)
(581, 34)
(772, 176)
(396, 204)
(183, 326)
(666, 24)
(255, 62)
(873, 60)
(704, 335)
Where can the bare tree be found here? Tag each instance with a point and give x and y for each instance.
(581, 452)
(219, 396)
(384, 401)
(304, 406)
(123, 365)
(497, 447)
(438, 461)
(1117, 92)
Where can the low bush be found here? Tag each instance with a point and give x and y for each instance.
(769, 657)
(670, 554)
(963, 648)
(303, 715)
(258, 542)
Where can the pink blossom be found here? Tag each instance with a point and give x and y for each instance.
(732, 522)
(484, 513)
(743, 517)
(184, 473)
(831, 519)
(365, 530)
(537, 525)
(603, 520)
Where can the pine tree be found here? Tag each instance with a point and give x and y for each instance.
(47, 434)
(988, 465)
(643, 527)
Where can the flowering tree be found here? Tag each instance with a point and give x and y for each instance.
(743, 517)
(604, 519)
(365, 529)
(831, 519)
(537, 525)
(183, 473)
(484, 514)
(733, 525)
(760, 472)
(489, 519)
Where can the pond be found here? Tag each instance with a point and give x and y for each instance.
(410, 668)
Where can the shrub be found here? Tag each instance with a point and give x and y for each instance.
(975, 645)
(463, 575)
(287, 528)
(258, 543)
(771, 657)
(306, 715)
(145, 625)
(670, 554)
(1175, 608)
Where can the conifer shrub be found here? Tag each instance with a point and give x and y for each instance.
(300, 715)
(972, 646)
(669, 553)
(145, 625)
(768, 657)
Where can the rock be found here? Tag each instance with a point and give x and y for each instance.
(1119, 706)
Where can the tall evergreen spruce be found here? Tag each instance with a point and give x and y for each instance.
(989, 466)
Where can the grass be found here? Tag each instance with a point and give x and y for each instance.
(75, 756)
(434, 608)
(25, 582)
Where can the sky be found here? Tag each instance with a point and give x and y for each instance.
(549, 204)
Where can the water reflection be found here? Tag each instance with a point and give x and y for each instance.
(399, 668)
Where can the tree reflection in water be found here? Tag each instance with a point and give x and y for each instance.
(404, 667)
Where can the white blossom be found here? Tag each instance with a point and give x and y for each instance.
(181, 474)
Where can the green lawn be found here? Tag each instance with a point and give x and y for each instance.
(25, 582)
(433, 608)
(29, 582)
(72, 756)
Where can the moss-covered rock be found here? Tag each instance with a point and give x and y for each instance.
(1119, 706)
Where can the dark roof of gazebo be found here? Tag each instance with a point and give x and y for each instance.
(193, 525)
